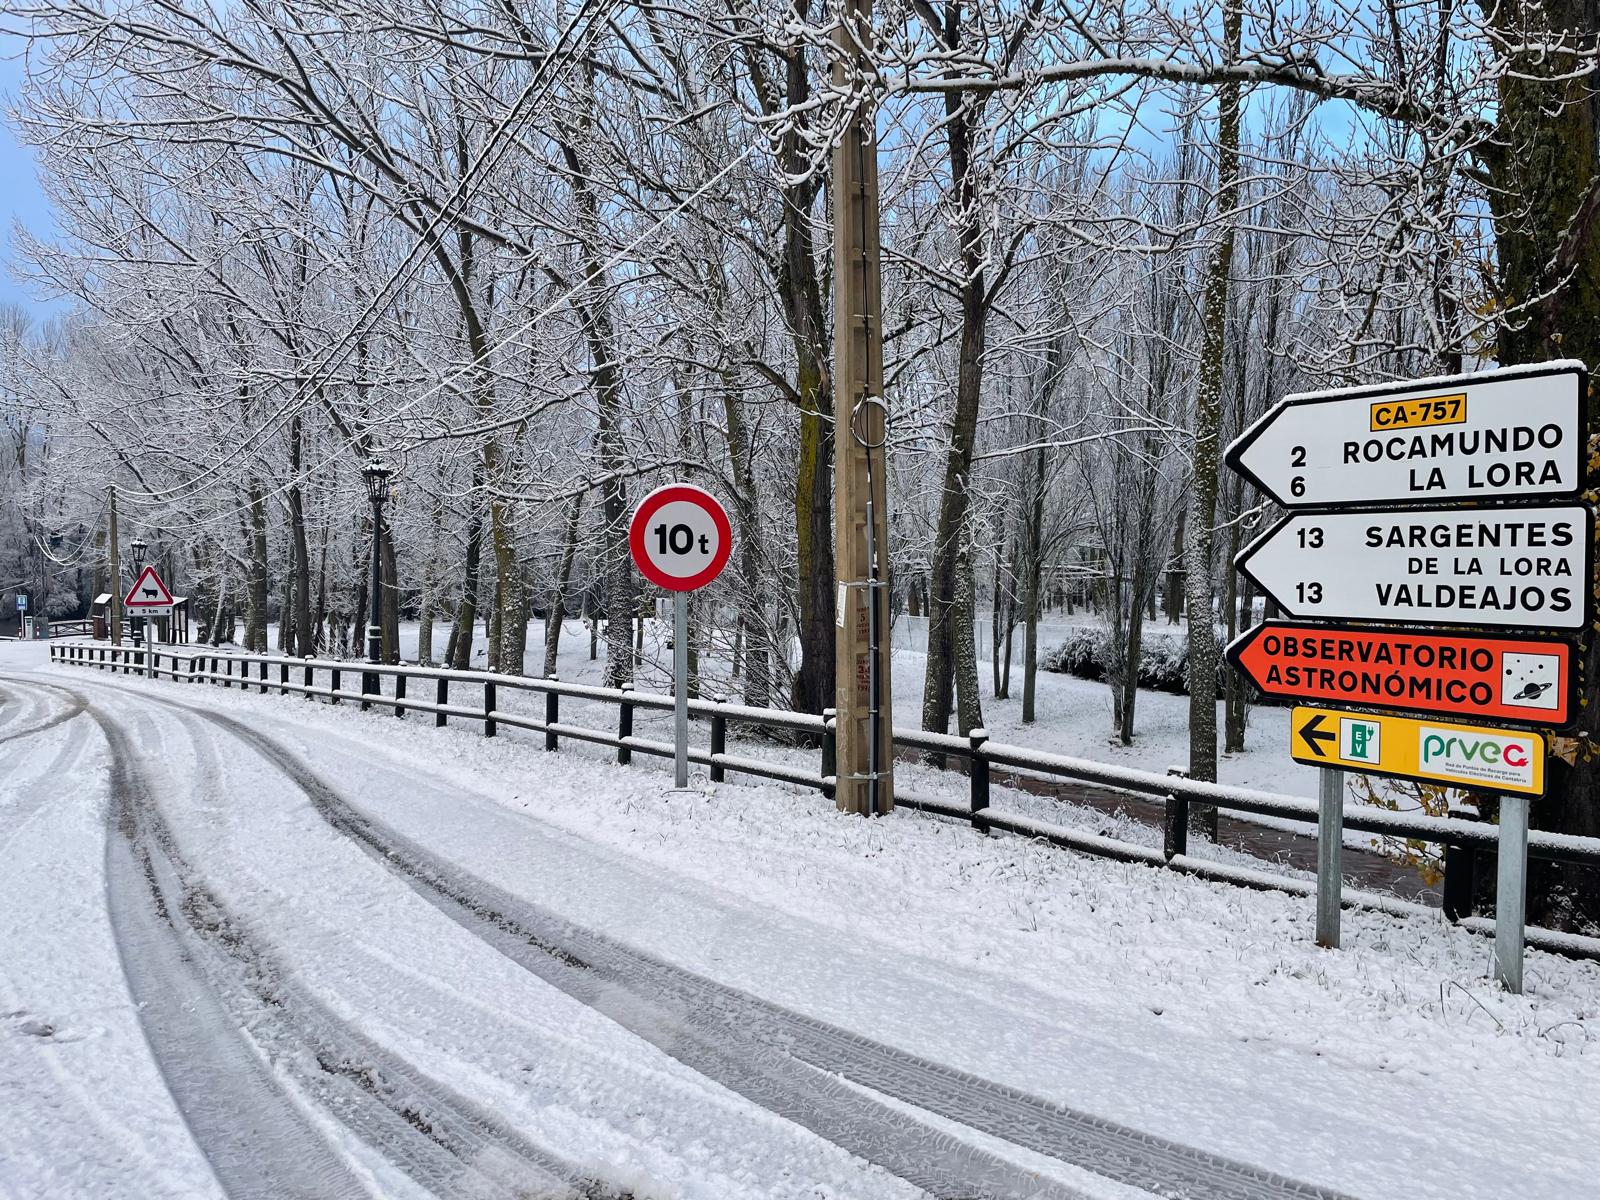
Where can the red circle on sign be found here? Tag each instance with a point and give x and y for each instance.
(638, 528)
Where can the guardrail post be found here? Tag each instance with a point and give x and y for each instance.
(488, 708)
(1460, 869)
(1175, 823)
(228, 680)
(369, 687)
(309, 678)
(624, 725)
(334, 687)
(399, 695)
(978, 775)
(283, 679)
(262, 675)
(1460, 880)
(441, 697)
(830, 750)
(719, 740)
(552, 715)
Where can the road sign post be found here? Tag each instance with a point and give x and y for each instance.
(680, 538)
(147, 598)
(1517, 557)
(1511, 892)
(1330, 853)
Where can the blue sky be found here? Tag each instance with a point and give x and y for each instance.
(21, 198)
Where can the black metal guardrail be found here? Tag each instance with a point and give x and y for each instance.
(1464, 841)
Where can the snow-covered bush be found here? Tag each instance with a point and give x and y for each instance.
(1163, 658)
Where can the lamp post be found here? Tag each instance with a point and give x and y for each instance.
(376, 473)
(140, 548)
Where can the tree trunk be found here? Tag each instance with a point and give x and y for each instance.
(556, 612)
(969, 708)
(944, 630)
(757, 636)
(255, 634)
(430, 584)
(1133, 650)
(1545, 164)
(304, 644)
(459, 652)
(1202, 653)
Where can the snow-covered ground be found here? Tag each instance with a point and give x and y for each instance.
(246, 937)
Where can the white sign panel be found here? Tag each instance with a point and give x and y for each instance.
(1511, 433)
(1521, 567)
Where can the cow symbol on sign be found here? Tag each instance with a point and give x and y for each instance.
(1529, 680)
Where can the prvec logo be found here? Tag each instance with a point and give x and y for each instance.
(1476, 756)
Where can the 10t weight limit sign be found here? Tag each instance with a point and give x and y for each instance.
(680, 537)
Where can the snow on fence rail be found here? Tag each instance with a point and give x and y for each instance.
(1463, 840)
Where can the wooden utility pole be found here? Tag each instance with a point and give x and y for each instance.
(114, 568)
(860, 508)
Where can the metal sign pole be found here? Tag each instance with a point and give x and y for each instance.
(680, 687)
(1511, 892)
(1330, 849)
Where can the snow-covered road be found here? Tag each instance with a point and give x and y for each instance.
(255, 947)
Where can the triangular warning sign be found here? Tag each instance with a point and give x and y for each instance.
(148, 591)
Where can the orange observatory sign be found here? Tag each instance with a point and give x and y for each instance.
(1524, 680)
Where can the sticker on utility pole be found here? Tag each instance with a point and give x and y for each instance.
(1467, 756)
(680, 537)
(148, 592)
(1517, 433)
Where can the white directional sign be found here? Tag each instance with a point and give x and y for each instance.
(1501, 434)
(1520, 567)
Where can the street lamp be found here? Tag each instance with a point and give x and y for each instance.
(376, 473)
(140, 548)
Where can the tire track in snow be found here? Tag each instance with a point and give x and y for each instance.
(200, 979)
(815, 1097)
(754, 1047)
(15, 817)
(75, 706)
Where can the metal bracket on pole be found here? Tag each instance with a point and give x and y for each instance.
(1511, 892)
(1330, 848)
